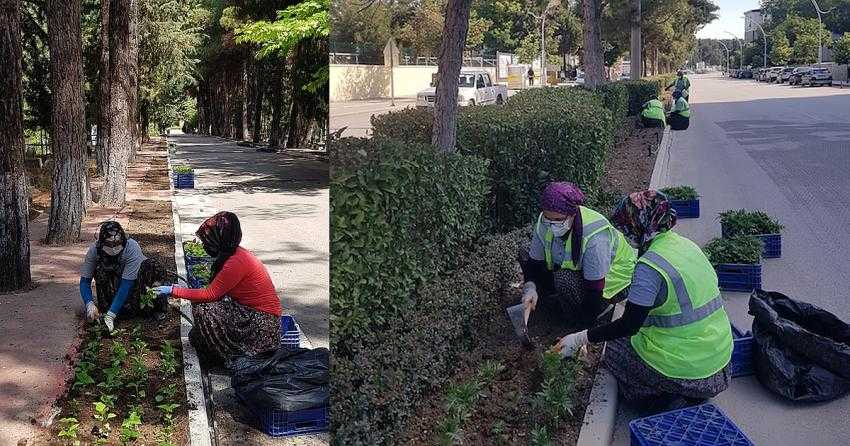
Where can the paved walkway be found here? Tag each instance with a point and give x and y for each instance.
(282, 204)
(783, 150)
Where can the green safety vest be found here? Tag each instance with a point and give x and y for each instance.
(689, 336)
(683, 84)
(654, 110)
(623, 265)
(681, 107)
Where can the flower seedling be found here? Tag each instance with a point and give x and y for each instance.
(202, 272)
(680, 193)
(461, 398)
(182, 169)
(69, 432)
(489, 370)
(555, 398)
(194, 248)
(129, 427)
(450, 432)
(168, 355)
(540, 436)
(103, 414)
(82, 375)
(147, 299)
(742, 249)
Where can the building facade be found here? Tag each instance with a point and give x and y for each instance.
(752, 18)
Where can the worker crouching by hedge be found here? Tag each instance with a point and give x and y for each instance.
(238, 314)
(122, 273)
(673, 344)
(652, 114)
(680, 113)
(570, 237)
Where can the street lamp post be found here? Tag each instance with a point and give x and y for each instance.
(765, 41)
(820, 29)
(740, 45)
(727, 54)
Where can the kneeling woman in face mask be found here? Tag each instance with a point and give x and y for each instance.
(121, 273)
(673, 344)
(568, 237)
(239, 312)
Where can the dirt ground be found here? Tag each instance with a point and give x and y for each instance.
(507, 403)
(150, 223)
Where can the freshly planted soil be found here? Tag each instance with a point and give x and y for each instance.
(507, 402)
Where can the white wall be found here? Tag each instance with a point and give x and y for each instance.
(360, 82)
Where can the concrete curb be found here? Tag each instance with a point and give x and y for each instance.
(199, 424)
(600, 416)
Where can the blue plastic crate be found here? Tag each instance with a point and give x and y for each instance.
(195, 282)
(290, 333)
(281, 423)
(742, 353)
(772, 245)
(686, 208)
(703, 425)
(184, 180)
(738, 277)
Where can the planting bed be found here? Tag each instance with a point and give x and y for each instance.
(505, 412)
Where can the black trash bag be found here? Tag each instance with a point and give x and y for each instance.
(285, 379)
(801, 352)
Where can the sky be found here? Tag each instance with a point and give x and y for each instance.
(730, 18)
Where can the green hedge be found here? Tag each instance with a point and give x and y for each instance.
(615, 97)
(540, 135)
(400, 214)
(376, 389)
(640, 91)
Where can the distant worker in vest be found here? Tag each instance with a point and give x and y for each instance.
(569, 238)
(652, 114)
(681, 84)
(673, 344)
(680, 113)
(530, 76)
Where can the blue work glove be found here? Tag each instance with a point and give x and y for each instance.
(164, 290)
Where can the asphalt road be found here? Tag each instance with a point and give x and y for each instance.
(784, 150)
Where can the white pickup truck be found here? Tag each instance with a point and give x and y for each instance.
(474, 88)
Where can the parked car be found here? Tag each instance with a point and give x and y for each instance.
(783, 75)
(474, 88)
(797, 74)
(773, 73)
(746, 73)
(580, 77)
(817, 76)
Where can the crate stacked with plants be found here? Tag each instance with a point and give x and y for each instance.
(737, 261)
(199, 275)
(757, 223)
(184, 177)
(684, 199)
(124, 392)
(194, 253)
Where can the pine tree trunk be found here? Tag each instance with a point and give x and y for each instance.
(121, 90)
(635, 39)
(277, 104)
(102, 148)
(245, 128)
(67, 121)
(450, 60)
(134, 79)
(594, 73)
(258, 104)
(14, 194)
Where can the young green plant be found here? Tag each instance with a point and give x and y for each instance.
(554, 400)
(194, 248)
(182, 169)
(743, 222)
(168, 355)
(743, 249)
(680, 193)
(69, 431)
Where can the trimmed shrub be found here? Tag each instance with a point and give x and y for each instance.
(640, 91)
(743, 222)
(376, 388)
(400, 215)
(615, 97)
(744, 249)
(409, 124)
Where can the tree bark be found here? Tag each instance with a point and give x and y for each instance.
(455, 29)
(277, 103)
(67, 122)
(635, 51)
(102, 148)
(134, 79)
(245, 128)
(594, 73)
(258, 105)
(14, 196)
(122, 85)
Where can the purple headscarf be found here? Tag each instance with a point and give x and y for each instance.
(562, 197)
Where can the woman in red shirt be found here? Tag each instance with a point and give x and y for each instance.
(239, 312)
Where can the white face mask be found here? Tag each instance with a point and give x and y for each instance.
(560, 228)
(113, 251)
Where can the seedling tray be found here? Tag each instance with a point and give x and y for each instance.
(738, 277)
(686, 208)
(742, 353)
(184, 180)
(772, 243)
(703, 425)
(282, 424)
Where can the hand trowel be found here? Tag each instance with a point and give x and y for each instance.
(518, 315)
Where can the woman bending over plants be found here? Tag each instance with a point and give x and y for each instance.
(239, 312)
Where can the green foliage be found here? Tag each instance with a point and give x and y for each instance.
(780, 54)
(194, 248)
(680, 192)
(555, 399)
(400, 214)
(743, 222)
(168, 356)
(603, 201)
(616, 98)
(540, 436)
(182, 169)
(202, 271)
(129, 427)
(743, 249)
(640, 91)
(841, 49)
(409, 124)
(147, 298)
(380, 380)
(69, 430)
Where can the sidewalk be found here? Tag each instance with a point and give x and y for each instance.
(282, 204)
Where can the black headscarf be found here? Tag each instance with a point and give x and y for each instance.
(220, 235)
